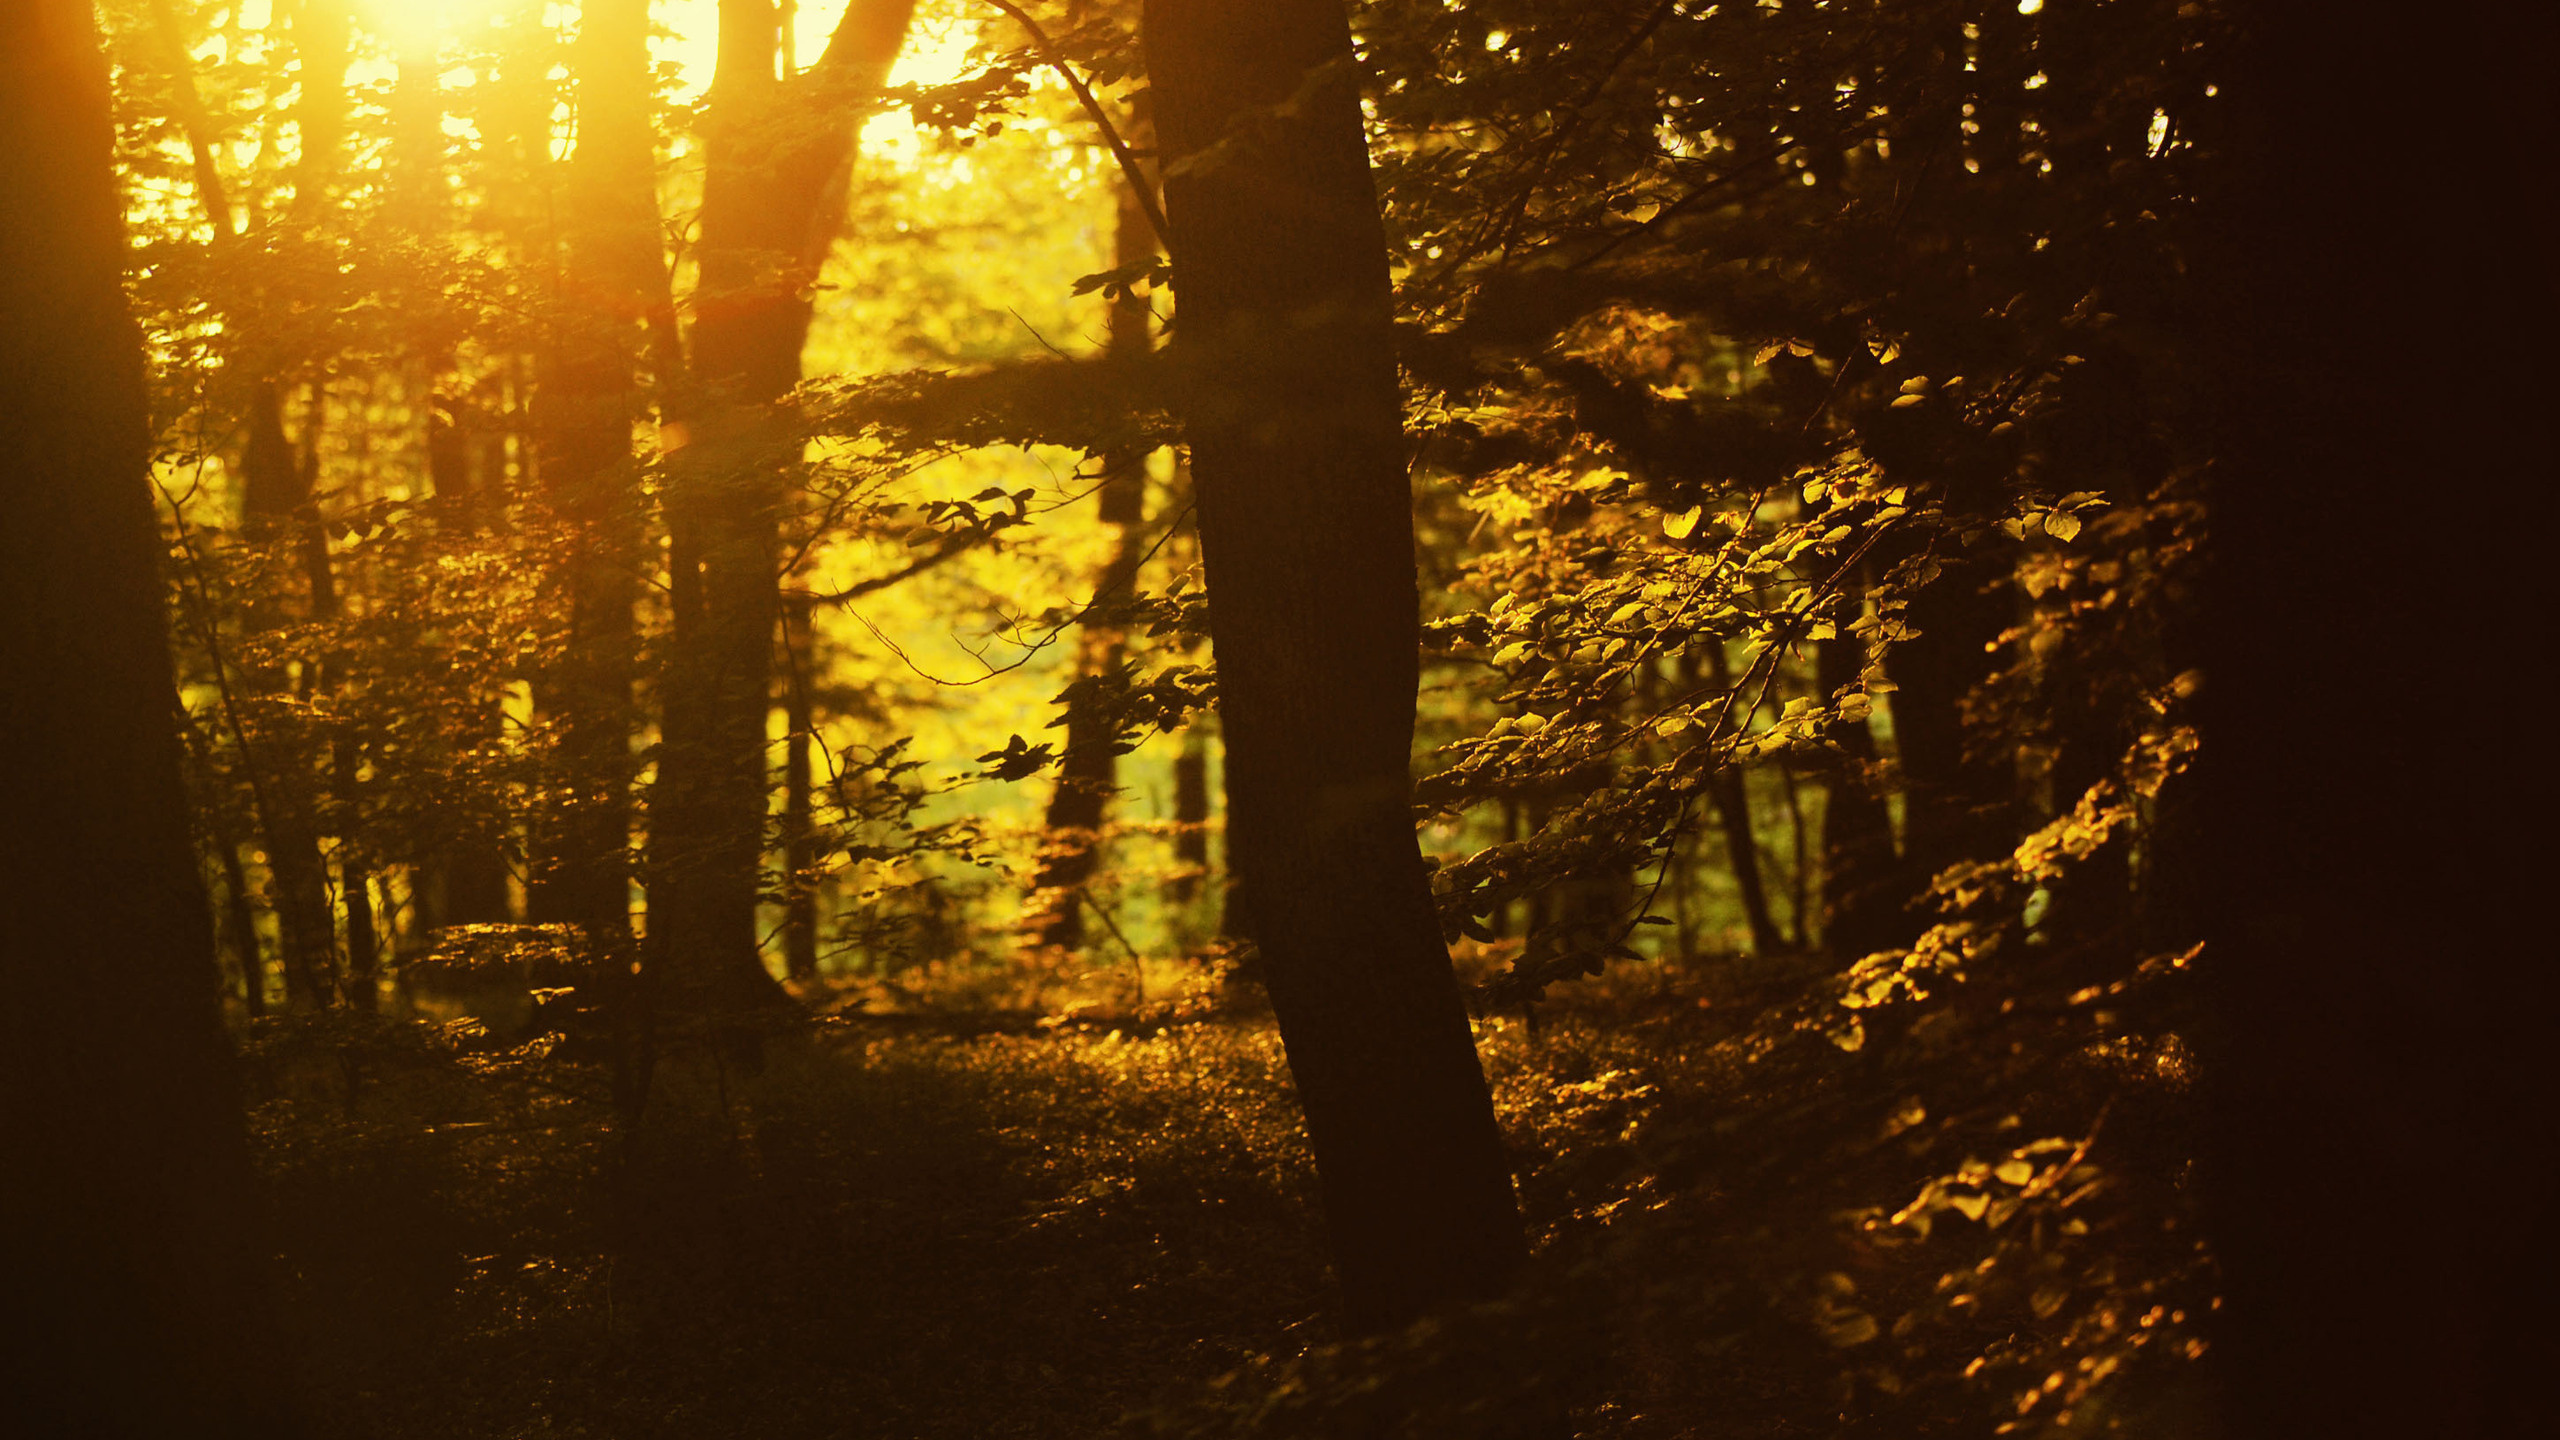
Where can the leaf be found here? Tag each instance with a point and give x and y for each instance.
(1684, 524)
(2015, 1172)
(1512, 653)
(2062, 527)
(1905, 402)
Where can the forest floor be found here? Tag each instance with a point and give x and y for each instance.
(921, 1225)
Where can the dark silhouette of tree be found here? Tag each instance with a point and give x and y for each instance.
(614, 309)
(777, 155)
(1858, 895)
(1741, 844)
(1307, 536)
(1089, 761)
(126, 1212)
(2383, 1171)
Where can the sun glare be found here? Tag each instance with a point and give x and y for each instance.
(937, 50)
(937, 47)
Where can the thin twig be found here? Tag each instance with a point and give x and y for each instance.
(1129, 166)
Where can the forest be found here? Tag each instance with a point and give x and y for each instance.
(1272, 718)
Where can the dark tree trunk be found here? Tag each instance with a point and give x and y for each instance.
(799, 821)
(618, 308)
(1861, 907)
(1958, 803)
(1190, 817)
(776, 159)
(1798, 871)
(2384, 1177)
(364, 947)
(276, 485)
(240, 918)
(277, 490)
(1307, 533)
(1733, 816)
(1088, 767)
(471, 867)
(125, 1220)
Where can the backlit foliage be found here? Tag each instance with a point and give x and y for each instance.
(1748, 348)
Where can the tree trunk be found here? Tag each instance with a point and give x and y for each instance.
(1860, 905)
(470, 868)
(1733, 816)
(2382, 1173)
(1957, 805)
(1190, 817)
(776, 157)
(1307, 534)
(276, 484)
(125, 1219)
(799, 827)
(277, 489)
(615, 263)
(1088, 767)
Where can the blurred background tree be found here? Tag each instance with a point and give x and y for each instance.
(685, 525)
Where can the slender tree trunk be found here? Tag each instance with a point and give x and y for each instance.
(364, 946)
(1088, 774)
(471, 867)
(125, 1218)
(1798, 882)
(277, 491)
(1733, 814)
(1307, 532)
(799, 836)
(776, 158)
(1089, 768)
(240, 917)
(1190, 817)
(1860, 906)
(588, 401)
(276, 487)
(1958, 804)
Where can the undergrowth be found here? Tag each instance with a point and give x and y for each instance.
(1968, 1212)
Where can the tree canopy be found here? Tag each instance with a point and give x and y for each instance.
(1563, 660)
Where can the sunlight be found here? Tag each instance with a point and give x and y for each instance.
(415, 27)
(937, 49)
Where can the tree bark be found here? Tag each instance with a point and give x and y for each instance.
(1733, 815)
(617, 308)
(2383, 1176)
(1190, 817)
(276, 486)
(1958, 803)
(125, 1219)
(799, 820)
(1306, 528)
(1088, 766)
(776, 157)
(1860, 906)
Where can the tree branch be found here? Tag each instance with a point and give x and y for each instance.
(1137, 175)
